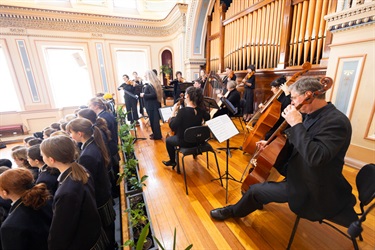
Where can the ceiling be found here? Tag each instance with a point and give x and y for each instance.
(145, 9)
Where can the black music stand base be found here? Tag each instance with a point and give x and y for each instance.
(135, 130)
(227, 175)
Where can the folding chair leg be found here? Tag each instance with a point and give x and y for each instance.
(183, 169)
(293, 232)
(208, 164)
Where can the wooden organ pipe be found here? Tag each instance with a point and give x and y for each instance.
(314, 35)
(305, 8)
(322, 29)
(293, 32)
(308, 32)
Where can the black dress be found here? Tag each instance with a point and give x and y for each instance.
(26, 228)
(249, 96)
(152, 106)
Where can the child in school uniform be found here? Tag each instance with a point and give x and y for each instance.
(20, 157)
(76, 222)
(95, 158)
(47, 175)
(29, 219)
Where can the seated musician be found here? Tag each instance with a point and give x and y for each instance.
(138, 90)
(315, 187)
(233, 97)
(130, 99)
(176, 85)
(284, 99)
(193, 114)
(229, 75)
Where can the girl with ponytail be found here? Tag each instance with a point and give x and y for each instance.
(95, 158)
(76, 222)
(29, 219)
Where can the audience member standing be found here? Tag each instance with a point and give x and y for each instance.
(29, 219)
(20, 157)
(97, 105)
(76, 222)
(153, 94)
(47, 175)
(95, 158)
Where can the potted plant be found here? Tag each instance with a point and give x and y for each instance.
(138, 217)
(166, 70)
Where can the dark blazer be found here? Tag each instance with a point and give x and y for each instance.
(317, 189)
(112, 126)
(48, 176)
(234, 97)
(76, 222)
(26, 228)
(91, 158)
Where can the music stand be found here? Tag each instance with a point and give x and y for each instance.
(223, 128)
(234, 111)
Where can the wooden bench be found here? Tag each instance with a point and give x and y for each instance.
(12, 129)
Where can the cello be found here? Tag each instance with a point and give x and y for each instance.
(275, 152)
(266, 117)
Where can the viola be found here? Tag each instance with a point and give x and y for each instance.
(267, 116)
(248, 75)
(274, 154)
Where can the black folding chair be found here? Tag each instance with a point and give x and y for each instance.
(198, 136)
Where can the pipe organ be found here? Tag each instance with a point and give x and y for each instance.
(267, 33)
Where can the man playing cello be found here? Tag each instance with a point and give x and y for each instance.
(314, 187)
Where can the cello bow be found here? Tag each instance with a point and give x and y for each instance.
(261, 163)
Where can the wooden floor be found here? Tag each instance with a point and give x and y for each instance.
(269, 228)
(171, 208)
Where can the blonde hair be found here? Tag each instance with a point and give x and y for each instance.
(155, 82)
(21, 154)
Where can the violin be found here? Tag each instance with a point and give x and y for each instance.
(179, 103)
(248, 75)
(231, 74)
(129, 82)
(263, 160)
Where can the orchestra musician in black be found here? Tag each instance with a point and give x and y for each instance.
(138, 89)
(176, 85)
(130, 97)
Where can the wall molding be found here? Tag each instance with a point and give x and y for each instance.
(20, 20)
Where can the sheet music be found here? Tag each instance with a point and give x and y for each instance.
(222, 127)
(165, 113)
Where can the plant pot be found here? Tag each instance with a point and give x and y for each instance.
(128, 188)
(131, 202)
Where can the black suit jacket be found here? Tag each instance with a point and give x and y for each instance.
(317, 189)
(26, 228)
(76, 222)
(92, 159)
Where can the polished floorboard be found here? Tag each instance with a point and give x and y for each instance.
(269, 228)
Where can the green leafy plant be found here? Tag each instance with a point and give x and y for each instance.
(137, 215)
(174, 242)
(137, 184)
(129, 170)
(141, 240)
(165, 69)
(121, 115)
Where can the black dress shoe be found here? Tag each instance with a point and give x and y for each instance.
(169, 163)
(221, 213)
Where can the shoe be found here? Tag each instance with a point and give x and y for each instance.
(152, 136)
(169, 163)
(155, 138)
(221, 213)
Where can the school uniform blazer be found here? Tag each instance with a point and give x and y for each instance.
(76, 222)
(112, 126)
(48, 176)
(151, 98)
(26, 228)
(91, 158)
(317, 189)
